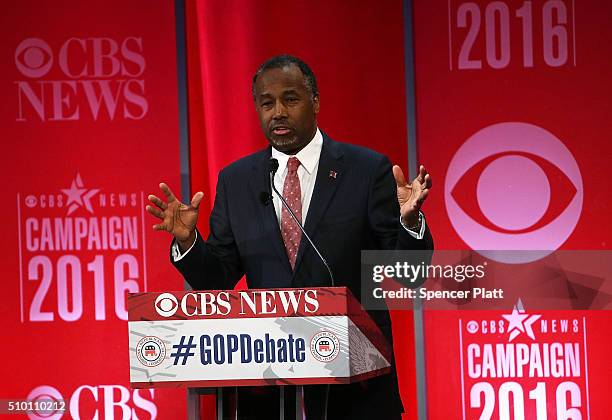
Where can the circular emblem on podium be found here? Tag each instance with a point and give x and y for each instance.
(150, 351)
(325, 346)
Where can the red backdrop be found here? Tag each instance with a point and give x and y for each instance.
(513, 120)
(89, 127)
(512, 108)
(357, 54)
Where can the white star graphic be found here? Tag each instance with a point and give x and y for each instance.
(79, 196)
(519, 322)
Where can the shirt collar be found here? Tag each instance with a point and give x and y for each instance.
(308, 156)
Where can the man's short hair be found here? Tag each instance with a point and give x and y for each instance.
(285, 60)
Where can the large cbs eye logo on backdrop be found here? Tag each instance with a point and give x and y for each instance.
(513, 186)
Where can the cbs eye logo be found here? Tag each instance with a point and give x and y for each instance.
(33, 57)
(166, 304)
(513, 186)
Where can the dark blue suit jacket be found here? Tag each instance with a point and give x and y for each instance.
(355, 210)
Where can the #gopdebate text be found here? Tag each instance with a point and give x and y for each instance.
(241, 348)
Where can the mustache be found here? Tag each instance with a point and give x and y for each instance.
(276, 125)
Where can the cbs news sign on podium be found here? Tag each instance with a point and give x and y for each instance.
(252, 337)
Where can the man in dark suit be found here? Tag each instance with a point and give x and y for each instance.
(345, 195)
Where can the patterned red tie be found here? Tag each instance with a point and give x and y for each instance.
(293, 194)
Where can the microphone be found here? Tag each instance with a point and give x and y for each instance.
(273, 169)
(265, 198)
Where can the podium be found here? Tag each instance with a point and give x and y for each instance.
(255, 337)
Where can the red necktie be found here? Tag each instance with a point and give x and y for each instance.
(292, 193)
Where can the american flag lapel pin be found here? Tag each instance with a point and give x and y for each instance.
(333, 174)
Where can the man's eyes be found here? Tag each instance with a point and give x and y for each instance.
(291, 100)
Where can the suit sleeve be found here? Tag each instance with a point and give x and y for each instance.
(214, 263)
(384, 212)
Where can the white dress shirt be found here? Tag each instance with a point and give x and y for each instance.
(307, 173)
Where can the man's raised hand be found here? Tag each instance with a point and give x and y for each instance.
(177, 218)
(411, 196)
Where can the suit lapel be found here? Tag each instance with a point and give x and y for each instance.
(329, 175)
(260, 182)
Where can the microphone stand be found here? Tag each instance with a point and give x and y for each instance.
(273, 169)
(299, 391)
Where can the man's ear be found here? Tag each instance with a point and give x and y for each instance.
(315, 103)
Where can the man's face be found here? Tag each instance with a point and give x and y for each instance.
(286, 108)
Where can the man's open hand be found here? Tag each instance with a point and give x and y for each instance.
(177, 218)
(411, 196)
